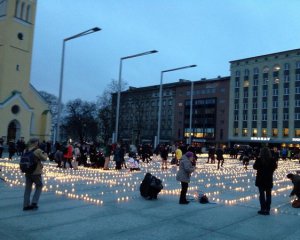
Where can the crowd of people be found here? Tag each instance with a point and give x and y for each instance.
(185, 156)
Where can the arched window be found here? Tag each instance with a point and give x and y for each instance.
(255, 71)
(18, 9)
(28, 13)
(266, 69)
(22, 10)
(3, 6)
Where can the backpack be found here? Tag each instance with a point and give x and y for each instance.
(28, 162)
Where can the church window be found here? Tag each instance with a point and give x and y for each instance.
(15, 109)
(22, 10)
(28, 14)
(3, 6)
(18, 9)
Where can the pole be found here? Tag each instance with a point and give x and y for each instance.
(159, 108)
(191, 112)
(118, 102)
(60, 92)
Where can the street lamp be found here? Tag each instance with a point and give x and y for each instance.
(115, 137)
(191, 109)
(160, 98)
(92, 30)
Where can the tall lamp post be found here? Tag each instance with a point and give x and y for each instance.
(191, 109)
(115, 137)
(92, 30)
(160, 98)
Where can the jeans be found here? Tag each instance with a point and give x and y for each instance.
(37, 180)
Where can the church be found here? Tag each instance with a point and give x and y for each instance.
(23, 111)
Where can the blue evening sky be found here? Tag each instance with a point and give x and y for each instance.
(209, 33)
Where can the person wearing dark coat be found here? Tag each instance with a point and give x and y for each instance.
(296, 181)
(265, 166)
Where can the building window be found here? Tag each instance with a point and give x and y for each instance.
(15, 109)
(265, 81)
(255, 82)
(264, 117)
(297, 116)
(237, 83)
(245, 106)
(275, 92)
(246, 93)
(254, 117)
(297, 90)
(235, 132)
(286, 78)
(297, 132)
(275, 132)
(298, 65)
(3, 6)
(264, 132)
(274, 117)
(236, 106)
(28, 14)
(245, 132)
(297, 103)
(236, 94)
(255, 93)
(254, 132)
(18, 9)
(286, 103)
(246, 72)
(285, 116)
(275, 104)
(297, 77)
(255, 71)
(236, 117)
(286, 91)
(237, 73)
(265, 92)
(264, 105)
(285, 132)
(265, 69)
(254, 105)
(22, 11)
(286, 66)
(245, 117)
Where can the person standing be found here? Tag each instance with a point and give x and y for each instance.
(164, 157)
(68, 155)
(107, 153)
(220, 157)
(184, 175)
(35, 177)
(1, 146)
(265, 166)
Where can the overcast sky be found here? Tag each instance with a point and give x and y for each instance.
(209, 33)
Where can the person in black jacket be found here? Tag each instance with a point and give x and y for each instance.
(265, 166)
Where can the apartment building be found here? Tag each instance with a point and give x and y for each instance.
(265, 99)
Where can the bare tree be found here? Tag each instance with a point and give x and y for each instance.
(80, 122)
(104, 103)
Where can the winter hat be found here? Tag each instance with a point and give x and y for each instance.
(189, 154)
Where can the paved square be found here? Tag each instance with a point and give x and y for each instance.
(89, 203)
